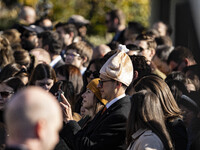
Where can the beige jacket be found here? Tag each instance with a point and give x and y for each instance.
(145, 139)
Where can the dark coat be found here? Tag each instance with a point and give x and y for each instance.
(15, 148)
(178, 134)
(105, 132)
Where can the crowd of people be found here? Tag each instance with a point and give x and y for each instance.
(60, 91)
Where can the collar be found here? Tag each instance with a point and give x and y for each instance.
(114, 100)
(138, 133)
(54, 62)
(83, 70)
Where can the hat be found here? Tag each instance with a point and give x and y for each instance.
(93, 87)
(77, 19)
(119, 67)
(34, 28)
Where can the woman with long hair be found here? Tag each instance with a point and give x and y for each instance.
(92, 102)
(44, 76)
(146, 124)
(172, 112)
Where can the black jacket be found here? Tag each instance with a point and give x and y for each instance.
(105, 132)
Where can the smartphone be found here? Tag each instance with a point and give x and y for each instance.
(59, 95)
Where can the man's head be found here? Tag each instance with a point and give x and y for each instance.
(100, 51)
(115, 20)
(27, 14)
(45, 23)
(179, 58)
(81, 24)
(148, 45)
(78, 54)
(116, 75)
(67, 32)
(41, 56)
(161, 28)
(50, 41)
(29, 37)
(33, 116)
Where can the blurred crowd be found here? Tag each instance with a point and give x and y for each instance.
(60, 91)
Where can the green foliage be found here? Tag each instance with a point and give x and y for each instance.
(95, 10)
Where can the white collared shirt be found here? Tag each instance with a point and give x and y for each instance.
(114, 100)
(83, 70)
(52, 64)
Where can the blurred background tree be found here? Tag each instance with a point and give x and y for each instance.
(93, 10)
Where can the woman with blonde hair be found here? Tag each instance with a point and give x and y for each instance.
(146, 128)
(6, 53)
(92, 100)
(172, 112)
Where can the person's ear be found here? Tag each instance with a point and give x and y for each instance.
(152, 52)
(135, 75)
(119, 84)
(40, 129)
(84, 59)
(186, 61)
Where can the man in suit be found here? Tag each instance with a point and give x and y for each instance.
(108, 128)
(33, 118)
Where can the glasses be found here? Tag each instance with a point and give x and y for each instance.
(95, 73)
(102, 81)
(134, 47)
(72, 55)
(5, 94)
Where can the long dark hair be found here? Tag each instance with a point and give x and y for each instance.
(159, 87)
(146, 113)
(41, 72)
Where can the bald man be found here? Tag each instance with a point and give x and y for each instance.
(100, 51)
(28, 15)
(33, 119)
(41, 56)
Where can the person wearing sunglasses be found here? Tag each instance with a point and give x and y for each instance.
(108, 128)
(148, 45)
(8, 88)
(93, 69)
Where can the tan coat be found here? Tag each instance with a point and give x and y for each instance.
(145, 140)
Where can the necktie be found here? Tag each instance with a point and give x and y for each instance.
(104, 109)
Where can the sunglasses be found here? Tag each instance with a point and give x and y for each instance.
(5, 94)
(102, 81)
(95, 73)
(134, 47)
